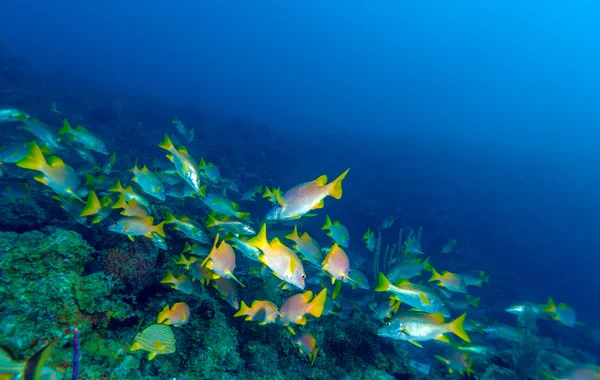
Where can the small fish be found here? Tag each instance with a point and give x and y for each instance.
(337, 264)
(131, 208)
(130, 194)
(133, 226)
(408, 269)
(149, 182)
(74, 208)
(305, 197)
(447, 248)
(170, 177)
(186, 166)
(295, 308)
(458, 362)
(210, 171)
(413, 246)
(84, 137)
(249, 194)
(197, 249)
(308, 344)
(308, 247)
(502, 331)
(108, 164)
(417, 296)
(181, 190)
(386, 309)
(178, 315)
(156, 339)
(180, 127)
(185, 261)
(421, 327)
(100, 183)
(8, 115)
(337, 231)
(222, 205)
(15, 191)
(229, 224)
(358, 279)
(476, 349)
(370, 239)
(263, 312)
(13, 153)
(86, 156)
(221, 260)
(227, 291)
(94, 206)
(451, 281)
(188, 227)
(475, 278)
(57, 175)
(182, 283)
(284, 263)
(271, 194)
(200, 273)
(43, 132)
(561, 313)
(246, 249)
(388, 222)
(159, 241)
(464, 303)
(53, 108)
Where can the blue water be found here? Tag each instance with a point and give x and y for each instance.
(477, 120)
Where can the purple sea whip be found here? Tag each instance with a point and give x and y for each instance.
(75, 353)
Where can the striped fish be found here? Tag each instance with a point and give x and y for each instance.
(156, 339)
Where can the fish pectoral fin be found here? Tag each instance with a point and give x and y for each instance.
(320, 204)
(301, 321)
(136, 346)
(131, 237)
(416, 343)
(443, 338)
(151, 355)
(291, 329)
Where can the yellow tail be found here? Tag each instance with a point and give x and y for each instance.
(120, 203)
(294, 235)
(243, 310)
(317, 304)
(211, 221)
(435, 276)
(159, 229)
(457, 327)
(66, 128)
(335, 187)
(34, 160)
(167, 144)
(163, 315)
(384, 283)
(92, 206)
(259, 240)
(170, 218)
(169, 278)
(327, 224)
(117, 187)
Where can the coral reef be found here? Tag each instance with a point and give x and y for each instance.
(132, 262)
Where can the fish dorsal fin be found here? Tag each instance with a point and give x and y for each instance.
(276, 244)
(321, 181)
(56, 162)
(279, 197)
(307, 296)
(403, 282)
(182, 149)
(437, 317)
(144, 169)
(79, 128)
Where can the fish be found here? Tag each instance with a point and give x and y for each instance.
(337, 264)
(13, 153)
(9, 115)
(417, 327)
(301, 199)
(227, 291)
(417, 296)
(74, 208)
(337, 231)
(246, 249)
(451, 281)
(31, 369)
(200, 273)
(196, 249)
(130, 194)
(43, 132)
(156, 339)
(308, 344)
(408, 269)
(178, 315)
(476, 349)
(170, 177)
(385, 309)
(182, 283)
(284, 263)
(229, 224)
(249, 194)
(221, 260)
(178, 124)
(561, 313)
(308, 247)
(422, 368)
(270, 194)
(295, 308)
(86, 156)
(209, 171)
(458, 362)
(370, 240)
(188, 227)
(101, 209)
(388, 222)
(133, 226)
(131, 208)
(181, 190)
(53, 108)
(57, 175)
(222, 205)
(100, 183)
(185, 261)
(186, 166)
(16, 191)
(358, 279)
(464, 303)
(477, 278)
(149, 182)
(263, 312)
(84, 137)
(447, 248)
(108, 164)
(159, 241)
(413, 246)
(502, 331)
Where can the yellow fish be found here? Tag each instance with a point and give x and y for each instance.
(221, 260)
(308, 344)
(137, 226)
(295, 308)
(131, 208)
(337, 264)
(264, 312)
(156, 339)
(178, 315)
(308, 247)
(186, 166)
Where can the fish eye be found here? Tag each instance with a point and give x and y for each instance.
(303, 276)
(234, 298)
(388, 324)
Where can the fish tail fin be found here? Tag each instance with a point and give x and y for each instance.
(120, 203)
(317, 304)
(435, 276)
(243, 215)
(34, 365)
(159, 229)
(187, 247)
(487, 279)
(550, 306)
(202, 163)
(92, 206)
(117, 187)
(182, 260)
(167, 144)
(367, 234)
(170, 218)
(162, 315)
(66, 128)
(475, 302)
(268, 193)
(135, 167)
(259, 240)
(427, 266)
(384, 283)
(34, 160)
(169, 278)
(294, 235)
(243, 310)
(313, 357)
(211, 221)
(335, 187)
(89, 180)
(327, 224)
(457, 327)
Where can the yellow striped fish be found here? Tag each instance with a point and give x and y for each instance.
(156, 339)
